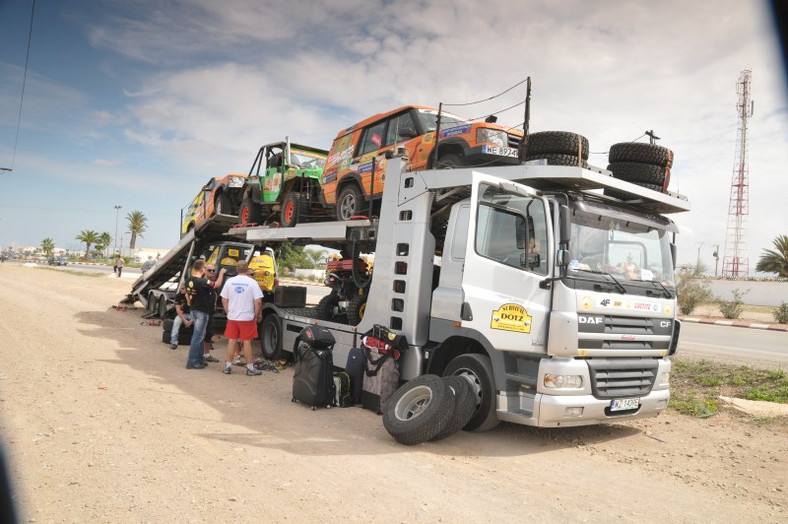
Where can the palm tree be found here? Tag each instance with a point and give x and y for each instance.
(137, 226)
(775, 261)
(89, 237)
(48, 246)
(105, 239)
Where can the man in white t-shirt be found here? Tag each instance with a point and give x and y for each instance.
(243, 302)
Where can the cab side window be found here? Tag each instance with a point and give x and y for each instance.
(373, 138)
(396, 124)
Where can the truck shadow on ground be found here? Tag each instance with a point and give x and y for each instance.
(257, 403)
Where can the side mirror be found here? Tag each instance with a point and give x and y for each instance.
(530, 260)
(562, 257)
(673, 254)
(566, 223)
(407, 132)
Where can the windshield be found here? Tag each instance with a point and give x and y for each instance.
(626, 250)
(306, 159)
(429, 120)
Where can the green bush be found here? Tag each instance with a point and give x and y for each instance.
(692, 291)
(781, 313)
(732, 308)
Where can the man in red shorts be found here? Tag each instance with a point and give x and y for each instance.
(243, 302)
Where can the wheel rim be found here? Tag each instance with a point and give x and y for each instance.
(473, 381)
(413, 403)
(348, 206)
(244, 215)
(289, 211)
(361, 310)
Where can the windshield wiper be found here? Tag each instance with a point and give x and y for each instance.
(667, 292)
(618, 284)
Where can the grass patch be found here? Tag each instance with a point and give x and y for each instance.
(695, 385)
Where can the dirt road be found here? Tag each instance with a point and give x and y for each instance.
(102, 423)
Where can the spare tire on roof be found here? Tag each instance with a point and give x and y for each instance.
(643, 153)
(638, 173)
(554, 159)
(623, 196)
(555, 142)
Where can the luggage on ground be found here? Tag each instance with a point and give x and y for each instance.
(381, 371)
(356, 362)
(313, 381)
(343, 395)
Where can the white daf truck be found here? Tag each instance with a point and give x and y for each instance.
(557, 302)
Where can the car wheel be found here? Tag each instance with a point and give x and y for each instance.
(418, 410)
(477, 369)
(250, 212)
(271, 338)
(294, 209)
(349, 202)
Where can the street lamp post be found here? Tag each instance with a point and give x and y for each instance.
(117, 210)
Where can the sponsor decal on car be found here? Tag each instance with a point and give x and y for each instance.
(454, 131)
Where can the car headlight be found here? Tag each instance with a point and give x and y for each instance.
(492, 136)
(555, 381)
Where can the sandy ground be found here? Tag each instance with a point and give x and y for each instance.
(102, 423)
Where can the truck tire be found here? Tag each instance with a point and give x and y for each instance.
(450, 161)
(555, 142)
(271, 338)
(326, 308)
(167, 324)
(250, 212)
(162, 307)
(349, 202)
(639, 152)
(640, 173)
(294, 209)
(464, 406)
(150, 306)
(419, 410)
(356, 308)
(556, 159)
(221, 204)
(477, 369)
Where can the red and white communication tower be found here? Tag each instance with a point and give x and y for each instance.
(736, 263)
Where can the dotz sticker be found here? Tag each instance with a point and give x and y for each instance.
(511, 317)
(586, 302)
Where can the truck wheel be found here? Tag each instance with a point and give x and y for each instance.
(249, 212)
(639, 152)
(556, 142)
(464, 406)
(162, 307)
(450, 161)
(477, 369)
(349, 202)
(418, 410)
(221, 204)
(271, 338)
(167, 324)
(640, 173)
(555, 159)
(293, 210)
(327, 307)
(356, 308)
(150, 307)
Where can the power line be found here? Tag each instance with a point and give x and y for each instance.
(24, 83)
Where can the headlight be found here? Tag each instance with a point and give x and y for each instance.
(492, 136)
(552, 380)
(664, 379)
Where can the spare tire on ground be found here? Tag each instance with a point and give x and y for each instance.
(555, 142)
(464, 406)
(419, 410)
(639, 152)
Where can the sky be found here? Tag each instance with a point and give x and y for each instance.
(137, 103)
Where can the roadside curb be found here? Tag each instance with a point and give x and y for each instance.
(296, 282)
(735, 323)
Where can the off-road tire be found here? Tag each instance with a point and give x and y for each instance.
(419, 410)
(349, 203)
(638, 173)
(639, 152)
(250, 212)
(478, 370)
(356, 308)
(450, 161)
(325, 308)
(464, 406)
(270, 333)
(294, 210)
(162, 309)
(555, 159)
(221, 204)
(625, 197)
(555, 142)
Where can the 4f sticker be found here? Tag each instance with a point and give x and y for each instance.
(511, 317)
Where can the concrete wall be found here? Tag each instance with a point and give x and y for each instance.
(759, 293)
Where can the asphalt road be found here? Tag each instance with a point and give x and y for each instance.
(735, 345)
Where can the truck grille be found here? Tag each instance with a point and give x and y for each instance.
(623, 333)
(514, 140)
(622, 378)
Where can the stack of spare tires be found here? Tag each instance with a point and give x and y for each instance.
(430, 407)
(647, 165)
(557, 148)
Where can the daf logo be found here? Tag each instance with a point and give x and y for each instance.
(589, 320)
